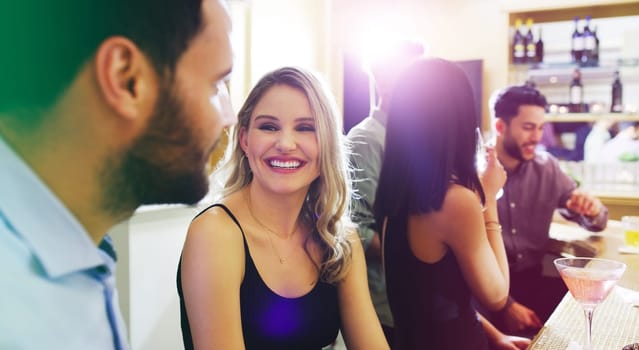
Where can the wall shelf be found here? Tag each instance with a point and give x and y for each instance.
(561, 73)
(621, 62)
(590, 117)
(563, 12)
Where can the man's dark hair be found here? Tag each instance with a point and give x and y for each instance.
(45, 43)
(507, 102)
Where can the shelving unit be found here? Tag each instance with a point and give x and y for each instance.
(616, 25)
(619, 52)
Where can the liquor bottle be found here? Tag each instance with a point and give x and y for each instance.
(596, 53)
(539, 49)
(617, 105)
(529, 41)
(576, 92)
(519, 48)
(587, 56)
(577, 43)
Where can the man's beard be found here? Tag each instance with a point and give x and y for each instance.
(164, 165)
(512, 148)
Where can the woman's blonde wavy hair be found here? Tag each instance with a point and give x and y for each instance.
(326, 207)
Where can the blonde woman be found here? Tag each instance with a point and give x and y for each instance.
(276, 263)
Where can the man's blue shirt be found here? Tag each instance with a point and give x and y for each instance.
(54, 281)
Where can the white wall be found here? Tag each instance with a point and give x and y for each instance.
(286, 32)
(149, 247)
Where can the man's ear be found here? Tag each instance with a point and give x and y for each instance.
(125, 77)
(500, 126)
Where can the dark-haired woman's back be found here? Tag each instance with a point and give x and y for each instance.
(430, 302)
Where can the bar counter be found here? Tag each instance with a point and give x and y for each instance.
(616, 320)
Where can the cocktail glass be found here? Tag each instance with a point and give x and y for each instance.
(589, 280)
(480, 152)
(480, 156)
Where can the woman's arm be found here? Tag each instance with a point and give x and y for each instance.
(360, 326)
(480, 253)
(212, 271)
(495, 238)
(493, 180)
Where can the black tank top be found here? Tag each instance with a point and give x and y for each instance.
(431, 303)
(270, 321)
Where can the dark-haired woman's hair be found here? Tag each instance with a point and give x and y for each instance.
(430, 140)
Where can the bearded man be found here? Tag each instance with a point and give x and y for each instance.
(105, 105)
(535, 187)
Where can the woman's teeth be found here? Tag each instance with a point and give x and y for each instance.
(290, 164)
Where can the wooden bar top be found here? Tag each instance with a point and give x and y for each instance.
(616, 320)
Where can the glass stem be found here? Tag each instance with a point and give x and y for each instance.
(588, 311)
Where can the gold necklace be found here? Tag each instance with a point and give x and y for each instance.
(281, 258)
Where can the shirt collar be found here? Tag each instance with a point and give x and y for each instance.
(540, 157)
(57, 239)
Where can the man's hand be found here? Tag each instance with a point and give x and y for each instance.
(517, 317)
(584, 204)
(500, 341)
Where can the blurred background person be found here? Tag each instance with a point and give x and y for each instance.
(535, 187)
(276, 264)
(104, 106)
(367, 150)
(603, 147)
(441, 236)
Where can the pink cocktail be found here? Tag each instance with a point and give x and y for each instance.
(590, 281)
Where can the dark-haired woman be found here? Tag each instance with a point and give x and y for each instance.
(441, 234)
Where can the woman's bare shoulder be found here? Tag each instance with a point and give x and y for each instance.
(215, 223)
(460, 199)
(460, 212)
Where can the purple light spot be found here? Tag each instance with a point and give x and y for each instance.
(282, 319)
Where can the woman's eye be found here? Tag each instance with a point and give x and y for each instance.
(306, 127)
(268, 127)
